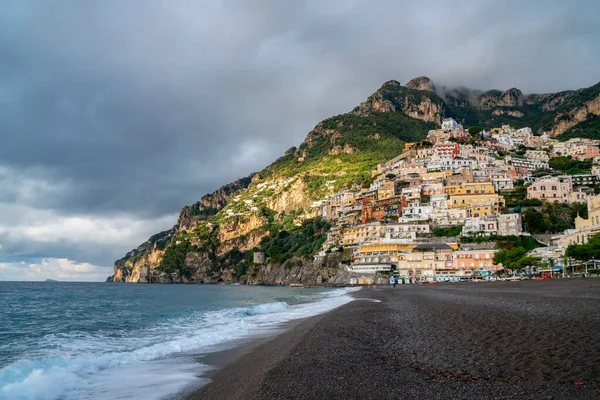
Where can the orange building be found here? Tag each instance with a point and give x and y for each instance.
(475, 259)
(408, 146)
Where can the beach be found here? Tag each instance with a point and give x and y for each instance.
(503, 340)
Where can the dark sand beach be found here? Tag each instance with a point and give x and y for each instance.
(517, 340)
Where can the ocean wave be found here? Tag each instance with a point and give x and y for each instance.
(70, 363)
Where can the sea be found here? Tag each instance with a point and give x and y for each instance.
(125, 341)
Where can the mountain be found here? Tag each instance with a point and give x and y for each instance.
(553, 113)
(272, 210)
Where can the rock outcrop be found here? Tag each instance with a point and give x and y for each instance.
(420, 104)
(148, 254)
(421, 83)
(563, 122)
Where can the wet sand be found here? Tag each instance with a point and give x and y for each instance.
(517, 340)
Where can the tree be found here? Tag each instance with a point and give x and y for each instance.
(534, 221)
(510, 258)
(474, 130)
(174, 258)
(587, 251)
(276, 254)
(580, 209)
(527, 261)
(448, 231)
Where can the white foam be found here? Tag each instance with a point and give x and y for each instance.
(102, 367)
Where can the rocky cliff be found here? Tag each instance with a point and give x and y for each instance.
(565, 121)
(416, 100)
(553, 113)
(274, 211)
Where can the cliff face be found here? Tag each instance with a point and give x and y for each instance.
(417, 100)
(149, 253)
(580, 114)
(553, 113)
(211, 238)
(494, 99)
(421, 83)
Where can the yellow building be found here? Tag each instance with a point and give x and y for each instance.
(477, 204)
(363, 233)
(478, 198)
(479, 210)
(470, 188)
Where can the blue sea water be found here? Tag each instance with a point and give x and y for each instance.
(108, 341)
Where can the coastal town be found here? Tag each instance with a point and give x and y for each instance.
(437, 211)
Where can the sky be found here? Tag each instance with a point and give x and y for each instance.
(115, 114)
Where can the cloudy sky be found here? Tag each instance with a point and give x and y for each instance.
(114, 114)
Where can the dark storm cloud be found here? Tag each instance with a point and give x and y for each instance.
(135, 108)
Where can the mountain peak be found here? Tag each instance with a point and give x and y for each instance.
(390, 83)
(421, 83)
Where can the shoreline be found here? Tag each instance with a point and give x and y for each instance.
(240, 361)
(222, 359)
(501, 340)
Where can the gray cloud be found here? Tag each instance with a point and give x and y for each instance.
(113, 108)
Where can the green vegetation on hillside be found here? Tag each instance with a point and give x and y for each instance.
(569, 166)
(449, 231)
(552, 217)
(359, 131)
(510, 242)
(301, 242)
(345, 149)
(505, 242)
(174, 258)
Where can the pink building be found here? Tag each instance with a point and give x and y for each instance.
(556, 189)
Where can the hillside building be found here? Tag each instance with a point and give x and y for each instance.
(551, 189)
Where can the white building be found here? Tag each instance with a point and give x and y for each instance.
(480, 226)
(449, 217)
(417, 212)
(450, 164)
(502, 183)
(449, 124)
